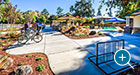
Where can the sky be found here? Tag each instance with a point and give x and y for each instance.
(50, 5)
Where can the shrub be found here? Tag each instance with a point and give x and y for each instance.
(39, 58)
(79, 34)
(2, 41)
(100, 33)
(3, 44)
(1, 47)
(20, 64)
(121, 31)
(40, 68)
(8, 40)
(29, 55)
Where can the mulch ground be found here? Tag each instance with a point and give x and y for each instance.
(28, 61)
(85, 37)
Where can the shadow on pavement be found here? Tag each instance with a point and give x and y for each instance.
(87, 68)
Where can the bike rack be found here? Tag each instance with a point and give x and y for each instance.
(105, 53)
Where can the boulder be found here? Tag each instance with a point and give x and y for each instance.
(23, 70)
(92, 33)
(5, 61)
(71, 29)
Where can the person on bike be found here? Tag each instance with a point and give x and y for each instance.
(34, 26)
(26, 27)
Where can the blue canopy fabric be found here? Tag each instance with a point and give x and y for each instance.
(40, 24)
(115, 20)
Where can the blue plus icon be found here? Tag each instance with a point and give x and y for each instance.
(122, 57)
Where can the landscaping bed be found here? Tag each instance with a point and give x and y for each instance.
(85, 36)
(38, 61)
(20, 60)
(7, 39)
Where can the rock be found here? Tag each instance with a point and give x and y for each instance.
(71, 29)
(23, 70)
(8, 62)
(5, 61)
(92, 33)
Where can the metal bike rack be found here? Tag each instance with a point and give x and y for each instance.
(105, 53)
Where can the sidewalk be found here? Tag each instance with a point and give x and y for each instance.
(66, 57)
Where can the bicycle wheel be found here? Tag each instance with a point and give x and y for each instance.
(37, 38)
(22, 39)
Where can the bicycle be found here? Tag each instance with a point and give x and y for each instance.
(36, 36)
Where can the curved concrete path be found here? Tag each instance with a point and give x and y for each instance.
(66, 57)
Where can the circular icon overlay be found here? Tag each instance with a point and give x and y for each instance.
(122, 57)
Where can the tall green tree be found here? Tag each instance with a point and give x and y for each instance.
(99, 11)
(28, 18)
(11, 13)
(37, 11)
(59, 11)
(82, 8)
(45, 11)
(4, 2)
(123, 6)
(33, 17)
(42, 19)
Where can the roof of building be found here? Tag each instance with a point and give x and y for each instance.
(66, 16)
(134, 13)
(99, 17)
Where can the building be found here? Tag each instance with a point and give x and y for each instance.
(101, 18)
(133, 21)
(65, 18)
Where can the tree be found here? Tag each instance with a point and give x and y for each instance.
(59, 11)
(99, 13)
(42, 19)
(110, 13)
(123, 6)
(37, 11)
(130, 7)
(82, 8)
(4, 2)
(45, 11)
(28, 18)
(52, 17)
(27, 11)
(11, 14)
(33, 17)
(21, 19)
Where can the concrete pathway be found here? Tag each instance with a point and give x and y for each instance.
(70, 57)
(66, 57)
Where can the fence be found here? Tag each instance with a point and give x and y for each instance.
(6, 27)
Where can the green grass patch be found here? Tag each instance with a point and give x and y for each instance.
(29, 55)
(20, 64)
(39, 58)
(40, 68)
